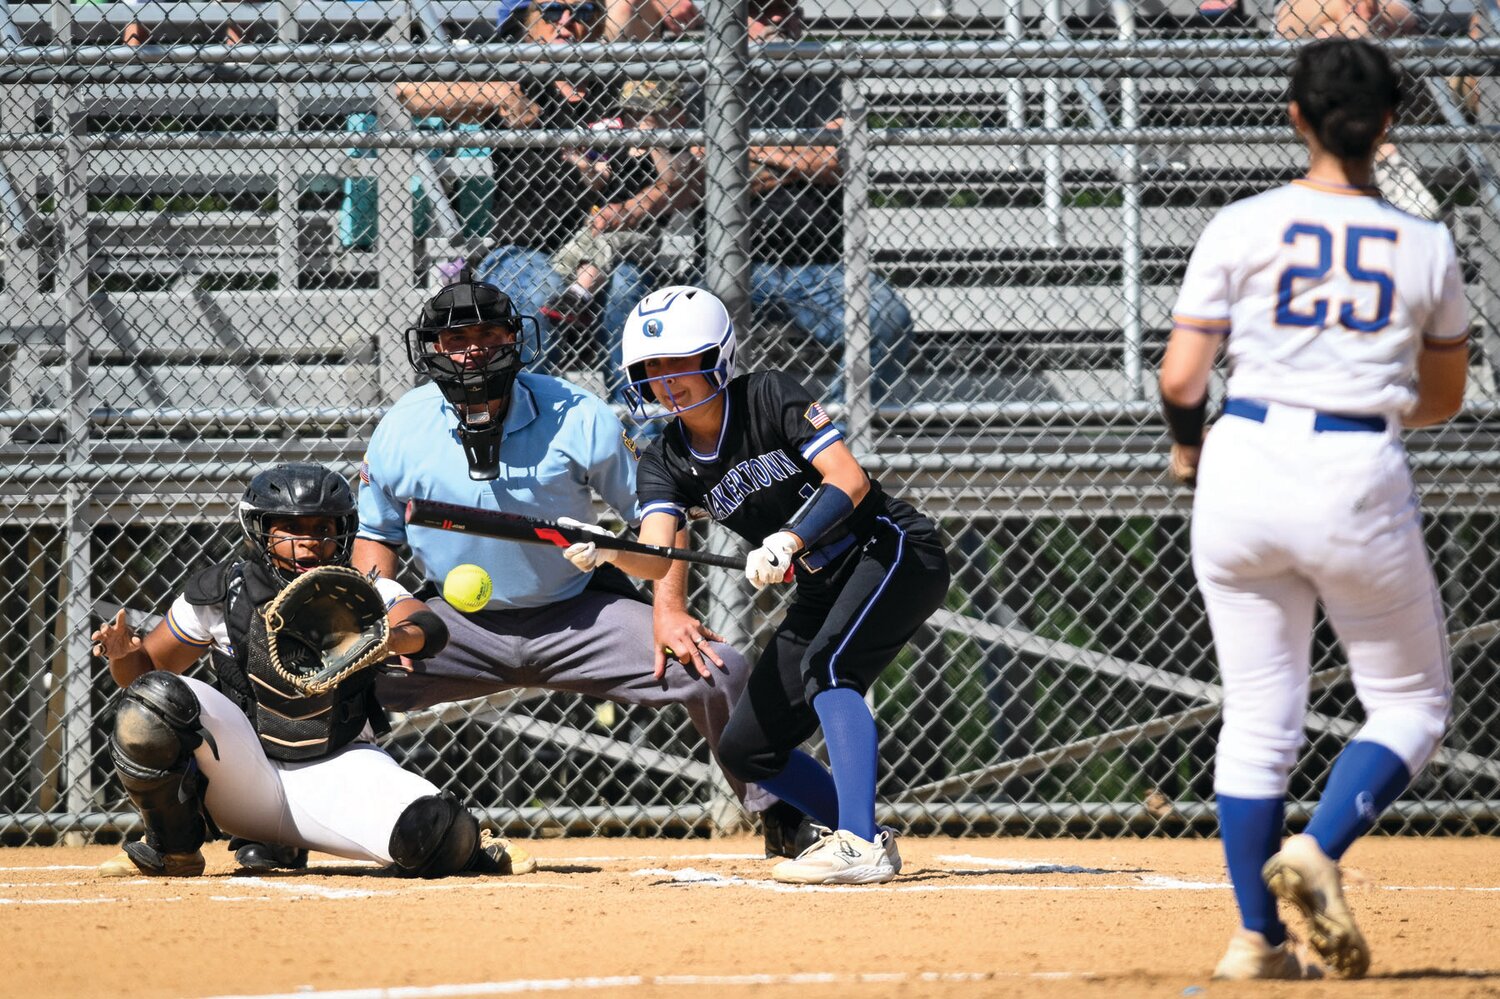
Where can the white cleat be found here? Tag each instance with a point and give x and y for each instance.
(842, 858)
(1250, 958)
(1305, 876)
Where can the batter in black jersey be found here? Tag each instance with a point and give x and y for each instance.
(761, 456)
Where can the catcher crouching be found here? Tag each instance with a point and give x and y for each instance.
(279, 753)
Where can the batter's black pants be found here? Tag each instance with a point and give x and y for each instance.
(843, 633)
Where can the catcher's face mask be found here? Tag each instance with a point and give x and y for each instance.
(298, 494)
(471, 341)
(295, 545)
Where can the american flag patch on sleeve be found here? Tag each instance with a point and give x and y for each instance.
(364, 472)
(816, 416)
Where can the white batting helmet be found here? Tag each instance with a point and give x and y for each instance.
(680, 321)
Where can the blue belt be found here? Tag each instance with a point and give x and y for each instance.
(1338, 423)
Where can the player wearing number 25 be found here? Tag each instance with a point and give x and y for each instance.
(1343, 319)
(761, 456)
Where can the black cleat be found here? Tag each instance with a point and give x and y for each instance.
(262, 857)
(788, 832)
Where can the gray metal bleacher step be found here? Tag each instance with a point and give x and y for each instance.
(214, 386)
(1032, 310)
(1037, 310)
(976, 230)
(215, 325)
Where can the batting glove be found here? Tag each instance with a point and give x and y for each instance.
(585, 555)
(769, 563)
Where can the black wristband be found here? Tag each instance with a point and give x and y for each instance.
(1185, 423)
(434, 633)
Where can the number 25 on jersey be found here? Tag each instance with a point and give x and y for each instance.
(1356, 239)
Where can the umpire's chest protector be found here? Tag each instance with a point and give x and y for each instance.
(292, 726)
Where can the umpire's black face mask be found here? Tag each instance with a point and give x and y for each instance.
(475, 368)
(472, 342)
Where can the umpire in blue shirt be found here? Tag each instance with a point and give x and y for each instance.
(486, 433)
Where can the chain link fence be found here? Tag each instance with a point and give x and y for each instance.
(964, 220)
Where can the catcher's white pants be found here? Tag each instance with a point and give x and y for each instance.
(1285, 517)
(345, 804)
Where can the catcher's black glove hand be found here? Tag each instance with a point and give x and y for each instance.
(328, 624)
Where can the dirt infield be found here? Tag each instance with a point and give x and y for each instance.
(618, 918)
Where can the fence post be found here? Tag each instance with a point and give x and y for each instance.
(287, 182)
(726, 160)
(858, 372)
(395, 247)
(76, 580)
(1052, 156)
(1130, 215)
(726, 166)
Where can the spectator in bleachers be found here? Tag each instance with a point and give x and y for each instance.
(1350, 18)
(541, 199)
(634, 188)
(1400, 184)
(137, 33)
(796, 210)
(796, 213)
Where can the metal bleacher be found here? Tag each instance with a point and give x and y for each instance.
(218, 281)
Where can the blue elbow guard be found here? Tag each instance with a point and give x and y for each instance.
(823, 513)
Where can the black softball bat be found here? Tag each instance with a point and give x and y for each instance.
(535, 531)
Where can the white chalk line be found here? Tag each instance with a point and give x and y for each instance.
(1017, 866)
(85, 901)
(294, 889)
(524, 985)
(53, 867)
(655, 856)
(693, 877)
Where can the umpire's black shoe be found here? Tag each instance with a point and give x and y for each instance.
(788, 831)
(260, 857)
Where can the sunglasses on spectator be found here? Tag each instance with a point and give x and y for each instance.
(584, 11)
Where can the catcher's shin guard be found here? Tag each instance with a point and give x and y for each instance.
(156, 730)
(434, 837)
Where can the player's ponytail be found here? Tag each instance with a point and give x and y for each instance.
(1345, 87)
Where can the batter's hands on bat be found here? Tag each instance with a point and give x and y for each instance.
(679, 635)
(115, 639)
(769, 563)
(585, 555)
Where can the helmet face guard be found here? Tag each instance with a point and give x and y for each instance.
(640, 395)
(298, 490)
(482, 374)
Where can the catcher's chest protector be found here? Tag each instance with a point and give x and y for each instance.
(292, 726)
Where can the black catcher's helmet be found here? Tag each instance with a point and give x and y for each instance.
(298, 490)
(472, 384)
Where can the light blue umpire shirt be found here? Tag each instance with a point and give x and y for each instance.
(561, 445)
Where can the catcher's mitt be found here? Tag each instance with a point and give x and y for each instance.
(327, 625)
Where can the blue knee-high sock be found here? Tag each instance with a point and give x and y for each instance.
(807, 785)
(849, 730)
(1251, 830)
(1366, 778)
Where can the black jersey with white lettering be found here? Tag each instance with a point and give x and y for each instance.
(761, 472)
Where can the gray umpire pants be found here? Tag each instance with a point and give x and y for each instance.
(598, 643)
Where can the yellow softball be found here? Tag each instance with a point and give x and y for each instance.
(468, 588)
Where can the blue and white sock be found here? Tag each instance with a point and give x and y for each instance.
(849, 731)
(806, 784)
(1251, 830)
(1367, 777)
